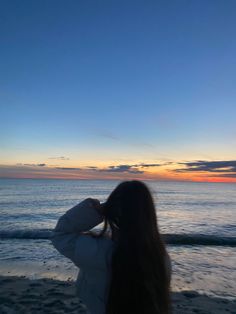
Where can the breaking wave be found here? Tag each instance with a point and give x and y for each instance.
(174, 239)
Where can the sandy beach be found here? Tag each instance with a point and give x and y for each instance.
(20, 295)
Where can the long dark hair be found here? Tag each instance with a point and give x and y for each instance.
(139, 276)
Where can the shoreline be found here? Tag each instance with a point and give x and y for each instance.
(48, 296)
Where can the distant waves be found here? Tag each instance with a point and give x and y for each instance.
(26, 234)
(174, 239)
(199, 239)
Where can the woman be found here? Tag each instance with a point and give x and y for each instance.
(126, 271)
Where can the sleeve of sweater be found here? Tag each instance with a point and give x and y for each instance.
(70, 227)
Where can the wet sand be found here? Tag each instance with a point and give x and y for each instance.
(46, 296)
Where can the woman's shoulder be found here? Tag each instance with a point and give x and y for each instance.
(92, 250)
(94, 241)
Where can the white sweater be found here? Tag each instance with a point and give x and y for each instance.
(90, 254)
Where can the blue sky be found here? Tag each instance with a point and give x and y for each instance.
(105, 82)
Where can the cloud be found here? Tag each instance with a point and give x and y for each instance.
(31, 165)
(67, 168)
(208, 166)
(138, 143)
(204, 169)
(226, 175)
(122, 168)
(107, 134)
(220, 168)
(60, 158)
(126, 168)
(115, 169)
(148, 165)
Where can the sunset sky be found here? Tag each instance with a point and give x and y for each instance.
(118, 89)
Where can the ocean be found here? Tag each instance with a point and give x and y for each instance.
(197, 220)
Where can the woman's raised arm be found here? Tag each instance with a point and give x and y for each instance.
(77, 220)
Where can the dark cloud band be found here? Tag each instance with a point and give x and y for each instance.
(227, 168)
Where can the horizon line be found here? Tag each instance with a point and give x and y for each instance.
(110, 179)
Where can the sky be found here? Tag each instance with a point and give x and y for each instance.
(118, 89)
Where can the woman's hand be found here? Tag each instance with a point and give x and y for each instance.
(97, 205)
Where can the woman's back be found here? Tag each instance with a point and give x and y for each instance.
(95, 272)
(127, 273)
(93, 258)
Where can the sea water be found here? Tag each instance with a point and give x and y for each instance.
(197, 220)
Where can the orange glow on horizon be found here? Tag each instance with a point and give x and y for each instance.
(160, 173)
